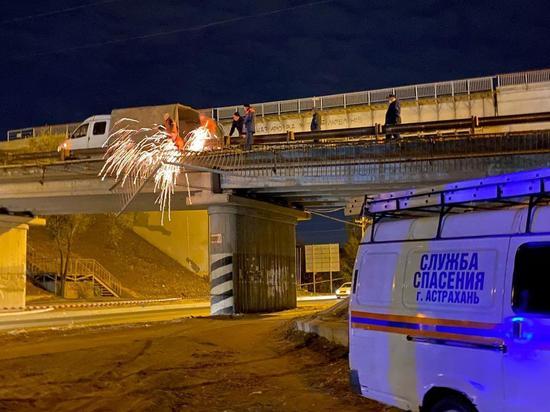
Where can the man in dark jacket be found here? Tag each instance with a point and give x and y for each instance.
(237, 124)
(315, 120)
(393, 115)
(249, 125)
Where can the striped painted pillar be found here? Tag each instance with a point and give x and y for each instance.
(252, 253)
(221, 284)
(222, 223)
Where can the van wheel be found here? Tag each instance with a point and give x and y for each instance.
(453, 403)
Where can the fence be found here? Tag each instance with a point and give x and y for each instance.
(414, 92)
(523, 78)
(368, 97)
(56, 129)
(343, 100)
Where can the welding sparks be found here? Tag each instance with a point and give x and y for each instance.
(201, 139)
(137, 155)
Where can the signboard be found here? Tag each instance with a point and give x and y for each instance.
(322, 258)
(451, 278)
(20, 134)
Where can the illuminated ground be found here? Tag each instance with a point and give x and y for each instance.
(203, 364)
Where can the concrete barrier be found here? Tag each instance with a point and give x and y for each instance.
(335, 331)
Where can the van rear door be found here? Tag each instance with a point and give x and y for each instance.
(527, 325)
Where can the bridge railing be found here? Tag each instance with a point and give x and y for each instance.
(523, 78)
(343, 157)
(343, 100)
(368, 97)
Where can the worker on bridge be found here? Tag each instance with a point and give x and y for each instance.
(237, 124)
(208, 123)
(315, 120)
(250, 125)
(172, 130)
(393, 116)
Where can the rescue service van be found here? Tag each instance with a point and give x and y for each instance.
(450, 300)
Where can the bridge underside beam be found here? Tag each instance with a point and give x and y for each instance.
(335, 185)
(89, 195)
(252, 257)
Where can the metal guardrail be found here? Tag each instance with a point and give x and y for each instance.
(231, 157)
(46, 158)
(523, 78)
(368, 97)
(342, 158)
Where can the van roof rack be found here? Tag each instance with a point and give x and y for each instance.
(488, 193)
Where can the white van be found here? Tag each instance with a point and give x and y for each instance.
(451, 312)
(92, 133)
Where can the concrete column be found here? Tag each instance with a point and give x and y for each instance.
(13, 257)
(222, 223)
(252, 257)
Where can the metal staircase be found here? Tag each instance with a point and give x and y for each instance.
(44, 272)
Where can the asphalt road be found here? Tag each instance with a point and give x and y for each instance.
(247, 363)
(67, 318)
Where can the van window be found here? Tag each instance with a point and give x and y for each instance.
(99, 128)
(531, 287)
(80, 132)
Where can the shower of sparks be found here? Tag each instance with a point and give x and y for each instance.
(201, 139)
(136, 155)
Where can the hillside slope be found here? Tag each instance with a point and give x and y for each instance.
(143, 270)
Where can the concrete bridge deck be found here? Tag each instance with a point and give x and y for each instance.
(294, 174)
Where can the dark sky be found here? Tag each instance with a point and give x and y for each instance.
(331, 47)
(65, 60)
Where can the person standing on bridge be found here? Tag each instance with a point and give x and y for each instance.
(172, 130)
(237, 124)
(249, 125)
(393, 115)
(315, 120)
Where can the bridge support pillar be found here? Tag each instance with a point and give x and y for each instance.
(13, 258)
(252, 257)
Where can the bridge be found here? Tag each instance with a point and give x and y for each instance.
(255, 198)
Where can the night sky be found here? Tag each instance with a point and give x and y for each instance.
(66, 60)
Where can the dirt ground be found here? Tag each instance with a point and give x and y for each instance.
(247, 363)
(35, 293)
(143, 270)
